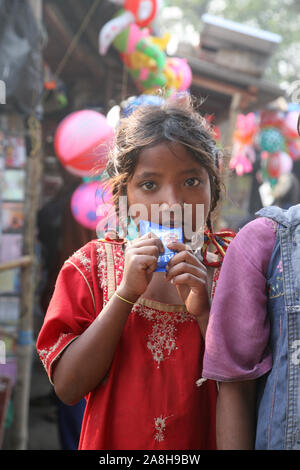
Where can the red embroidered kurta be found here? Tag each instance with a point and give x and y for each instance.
(149, 399)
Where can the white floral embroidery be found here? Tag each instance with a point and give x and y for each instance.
(162, 340)
(45, 353)
(82, 257)
(102, 270)
(109, 273)
(160, 425)
(119, 263)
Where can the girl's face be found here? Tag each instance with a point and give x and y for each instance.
(167, 175)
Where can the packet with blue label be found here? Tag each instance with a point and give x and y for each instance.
(166, 234)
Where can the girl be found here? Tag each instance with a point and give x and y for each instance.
(126, 338)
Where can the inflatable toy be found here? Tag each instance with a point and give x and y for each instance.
(86, 203)
(271, 140)
(82, 142)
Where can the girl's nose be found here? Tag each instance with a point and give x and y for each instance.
(171, 208)
(171, 196)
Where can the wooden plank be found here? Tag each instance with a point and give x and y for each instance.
(18, 263)
(235, 109)
(220, 87)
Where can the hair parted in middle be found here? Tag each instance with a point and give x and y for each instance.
(176, 121)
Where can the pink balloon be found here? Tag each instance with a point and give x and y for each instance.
(286, 162)
(182, 71)
(290, 124)
(82, 141)
(90, 203)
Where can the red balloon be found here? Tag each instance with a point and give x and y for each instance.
(273, 165)
(82, 141)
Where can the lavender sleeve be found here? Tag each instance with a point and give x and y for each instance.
(236, 344)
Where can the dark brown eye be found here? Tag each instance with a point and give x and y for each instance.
(148, 185)
(192, 182)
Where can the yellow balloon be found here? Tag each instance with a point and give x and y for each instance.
(160, 42)
(170, 77)
(137, 60)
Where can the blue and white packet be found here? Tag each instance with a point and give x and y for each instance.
(165, 234)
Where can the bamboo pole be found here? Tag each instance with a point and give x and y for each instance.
(18, 263)
(21, 393)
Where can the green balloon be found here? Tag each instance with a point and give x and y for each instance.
(152, 51)
(271, 140)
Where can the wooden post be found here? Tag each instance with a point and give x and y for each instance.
(227, 145)
(233, 114)
(21, 394)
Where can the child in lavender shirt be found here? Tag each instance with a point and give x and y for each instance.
(246, 342)
(237, 336)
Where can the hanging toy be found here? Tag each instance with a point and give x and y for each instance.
(86, 203)
(82, 141)
(271, 140)
(243, 154)
(293, 148)
(290, 124)
(142, 100)
(241, 164)
(273, 166)
(285, 162)
(182, 72)
(140, 12)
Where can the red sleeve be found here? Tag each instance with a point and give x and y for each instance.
(71, 310)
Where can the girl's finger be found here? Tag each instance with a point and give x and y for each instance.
(176, 245)
(150, 250)
(144, 262)
(183, 268)
(147, 240)
(187, 257)
(188, 279)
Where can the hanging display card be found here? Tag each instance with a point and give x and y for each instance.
(13, 185)
(12, 218)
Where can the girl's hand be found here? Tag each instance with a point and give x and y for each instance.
(189, 276)
(140, 263)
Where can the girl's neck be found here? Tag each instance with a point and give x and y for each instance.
(162, 291)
